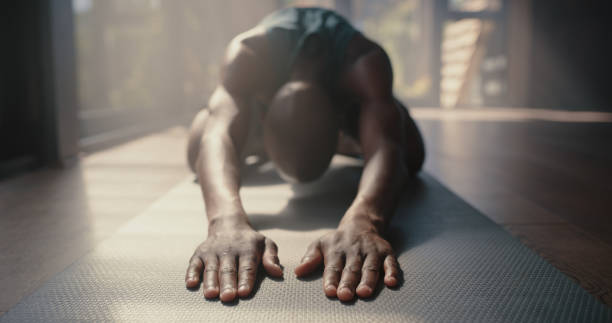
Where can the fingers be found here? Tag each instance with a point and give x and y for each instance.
(312, 259)
(350, 278)
(194, 271)
(270, 259)
(247, 271)
(334, 263)
(369, 275)
(391, 271)
(227, 278)
(211, 277)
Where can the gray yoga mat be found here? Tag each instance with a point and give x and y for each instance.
(457, 265)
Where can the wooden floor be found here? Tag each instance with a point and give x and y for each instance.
(50, 218)
(545, 178)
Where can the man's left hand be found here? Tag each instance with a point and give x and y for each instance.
(353, 256)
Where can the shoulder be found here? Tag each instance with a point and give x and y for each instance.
(246, 61)
(368, 73)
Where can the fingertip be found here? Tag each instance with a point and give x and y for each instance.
(391, 271)
(192, 282)
(390, 281)
(274, 270)
(244, 291)
(364, 291)
(330, 291)
(300, 270)
(272, 266)
(345, 294)
(211, 292)
(279, 270)
(228, 295)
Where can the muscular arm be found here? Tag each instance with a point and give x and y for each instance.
(226, 262)
(354, 253)
(217, 165)
(383, 144)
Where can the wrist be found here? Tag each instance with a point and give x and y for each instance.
(363, 220)
(228, 222)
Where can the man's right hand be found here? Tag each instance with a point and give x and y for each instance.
(227, 262)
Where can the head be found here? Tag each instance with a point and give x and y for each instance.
(301, 131)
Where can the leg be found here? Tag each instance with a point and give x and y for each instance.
(348, 146)
(414, 153)
(195, 137)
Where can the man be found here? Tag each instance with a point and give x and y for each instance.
(314, 86)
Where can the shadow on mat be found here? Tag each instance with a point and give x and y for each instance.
(321, 205)
(260, 174)
(316, 205)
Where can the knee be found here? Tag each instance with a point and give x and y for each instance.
(195, 137)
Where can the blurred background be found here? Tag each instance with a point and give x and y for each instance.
(512, 99)
(84, 74)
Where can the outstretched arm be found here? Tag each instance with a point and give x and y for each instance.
(354, 254)
(227, 261)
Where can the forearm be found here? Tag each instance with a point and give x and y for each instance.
(384, 172)
(381, 182)
(218, 173)
(218, 163)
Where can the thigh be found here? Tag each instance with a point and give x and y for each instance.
(348, 146)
